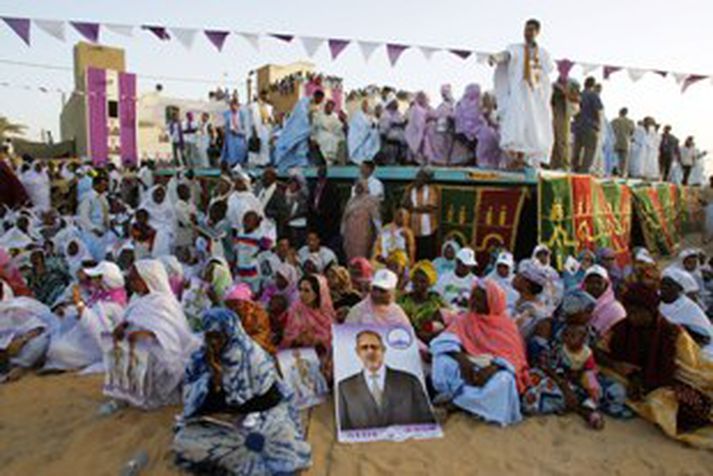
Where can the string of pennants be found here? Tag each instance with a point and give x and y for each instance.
(91, 32)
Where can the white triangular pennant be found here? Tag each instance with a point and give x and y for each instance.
(588, 68)
(428, 51)
(680, 77)
(123, 30)
(52, 27)
(635, 74)
(367, 48)
(311, 44)
(482, 57)
(251, 38)
(185, 36)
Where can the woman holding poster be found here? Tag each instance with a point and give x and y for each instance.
(479, 361)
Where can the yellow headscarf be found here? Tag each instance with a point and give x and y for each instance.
(427, 268)
(398, 257)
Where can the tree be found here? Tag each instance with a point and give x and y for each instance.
(10, 128)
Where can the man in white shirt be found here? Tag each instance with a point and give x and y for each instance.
(455, 286)
(314, 246)
(689, 156)
(376, 188)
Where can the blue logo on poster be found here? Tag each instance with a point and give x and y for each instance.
(399, 338)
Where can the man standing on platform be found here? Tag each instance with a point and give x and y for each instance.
(235, 146)
(623, 132)
(175, 132)
(668, 151)
(523, 92)
(586, 128)
(421, 200)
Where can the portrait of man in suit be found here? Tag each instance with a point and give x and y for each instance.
(380, 396)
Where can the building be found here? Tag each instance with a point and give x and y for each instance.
(100, 115)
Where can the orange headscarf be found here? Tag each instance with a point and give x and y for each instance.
(494, 333)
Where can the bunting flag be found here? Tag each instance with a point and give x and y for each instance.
(394, 52)
(21, 27)
(253, 39)
(482, 58)
(311, 44)
(367, 49)
(497, 217)
(428, 51)
(282, 37)
(635, 74)
(53, 28)
(564, 66)
(185, 36)
(588, 68)
(90, 31)
(679, 77)
(691, 79)
(661, 73)
(336, 47)
(217, 38)
(159, 32)
(609, 70)
(119, 29)
(462, 54)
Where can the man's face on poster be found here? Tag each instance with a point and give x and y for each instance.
(371, 351)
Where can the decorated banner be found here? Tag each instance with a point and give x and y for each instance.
(692, 212)
(497, 217)
(578, 212)
(658, 208)
(457, 214)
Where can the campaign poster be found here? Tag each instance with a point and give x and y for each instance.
(379, 388)
(301, 373)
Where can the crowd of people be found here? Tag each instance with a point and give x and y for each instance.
(526, 121)
(213, 282)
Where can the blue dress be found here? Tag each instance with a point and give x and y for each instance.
(235, 146)
(292, 146)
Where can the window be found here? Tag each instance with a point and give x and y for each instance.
(113, 108)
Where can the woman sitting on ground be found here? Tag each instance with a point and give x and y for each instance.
(422, 305)
(238, 418)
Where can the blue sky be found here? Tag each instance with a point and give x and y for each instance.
(662, 34)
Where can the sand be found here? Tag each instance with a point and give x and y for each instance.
(49, 426)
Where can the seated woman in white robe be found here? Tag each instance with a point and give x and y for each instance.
(26, 326)
(328, 132)
(479, 362)
(152, 345)
(162, 217)
(81, 345)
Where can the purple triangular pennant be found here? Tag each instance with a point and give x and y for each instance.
(462, 54)
(661, 73)
(394, 51)
(217, 38)
(281, 37)
(337, 46)
(564, 66)
(692, 78)
(609, 70)
(21, 26)
(89, 31)
(159, 31)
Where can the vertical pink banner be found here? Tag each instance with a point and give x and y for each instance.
(127, 118)
(97, 116)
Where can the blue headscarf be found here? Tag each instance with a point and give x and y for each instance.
(248, 371)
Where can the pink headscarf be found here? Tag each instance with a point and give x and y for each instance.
(364, 266)
(494, 333)
(239, 292)
(415, 132)
(303, 319)
(468, 116)
(607, 312)
(12, 276)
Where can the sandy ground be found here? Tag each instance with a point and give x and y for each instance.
(49, 426)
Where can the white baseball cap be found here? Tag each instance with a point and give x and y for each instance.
(385, 279)
(505, 258)
(467, 257)
(111, 274)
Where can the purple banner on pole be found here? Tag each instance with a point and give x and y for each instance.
(217, 38)
(97, 116)
(462, 54)
(337, 46)
(127, 118)
(89, 31)
(281, 37)
(564, 66)
(21, 26)
(159, 32)
(609, 70)
(394, 52)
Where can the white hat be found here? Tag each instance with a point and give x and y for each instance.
(683, 278)
(466, 256)
(385, 279)
(110, 273)
(505, 258)
(597, 270)
(644, 256)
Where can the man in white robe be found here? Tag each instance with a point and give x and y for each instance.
(328, 132)
(363, 138)
(37, 185)
(93, 217)
(523, 91)
(262, 121)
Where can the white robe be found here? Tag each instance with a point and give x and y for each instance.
(328, 132)
(525, 112)
(37, 185)
(685, 312)
(162, 217)
(638, 152)
(263, 130)
(363, 138)
(651, 163)
(239, 203)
